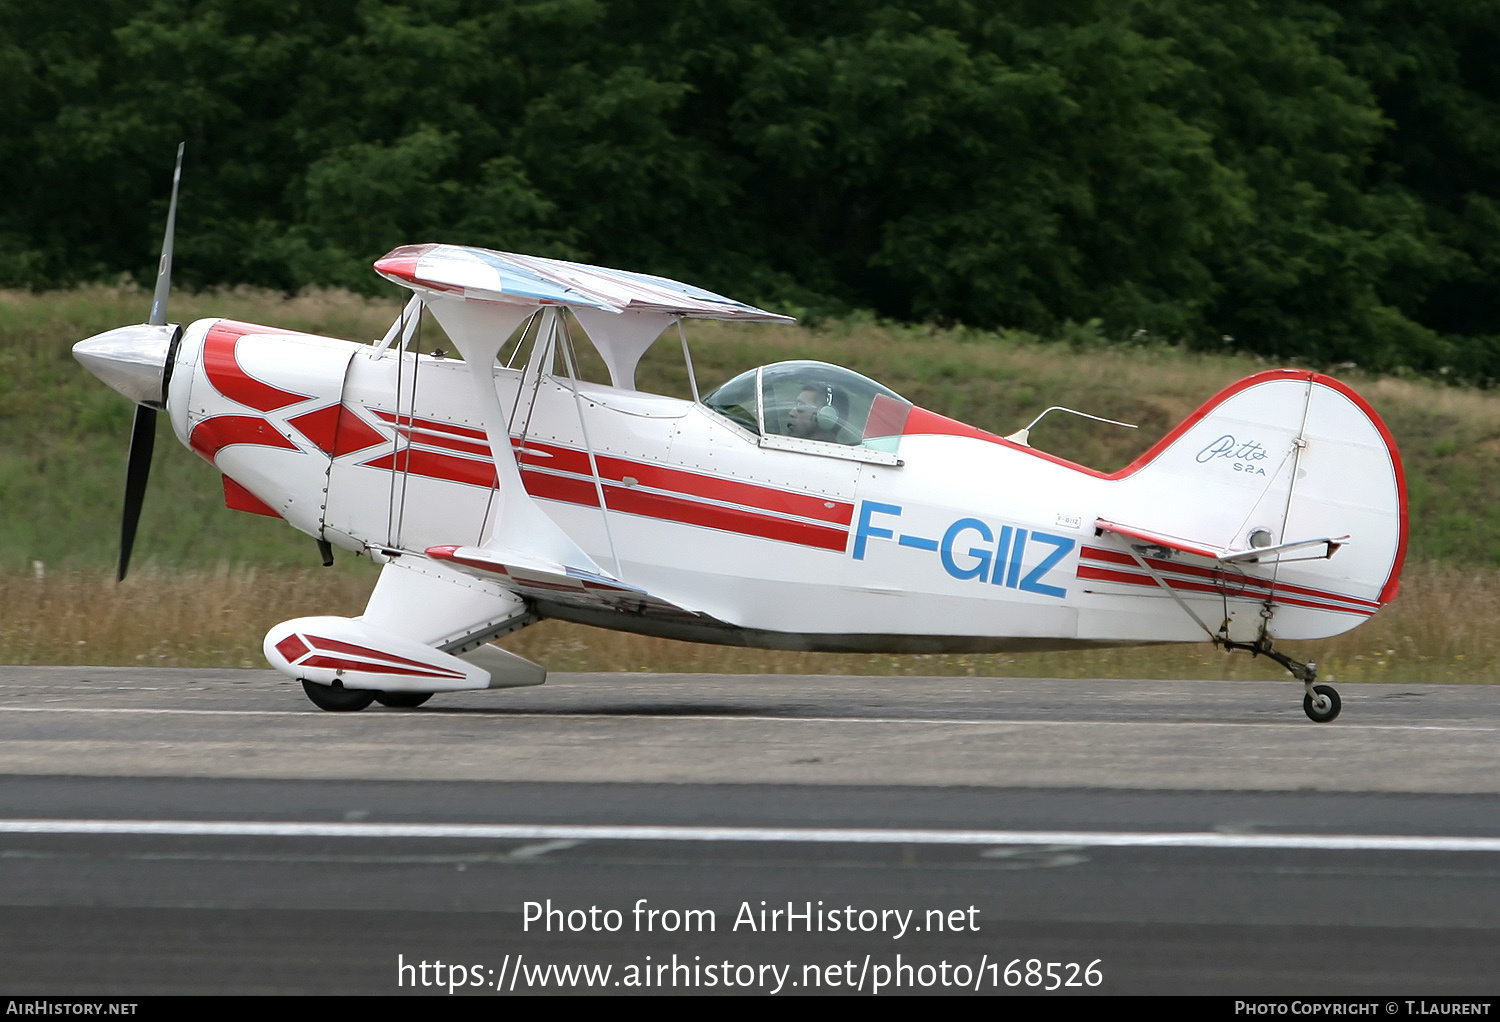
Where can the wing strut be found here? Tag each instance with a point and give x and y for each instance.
(520, 530)
(404, 325)
(570, 362)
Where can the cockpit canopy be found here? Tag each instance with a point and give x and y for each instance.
(813, 401)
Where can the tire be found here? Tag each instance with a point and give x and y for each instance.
(1332, 711)
(336, 698)
(402, 700)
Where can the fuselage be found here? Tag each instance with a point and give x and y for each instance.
(961, 541)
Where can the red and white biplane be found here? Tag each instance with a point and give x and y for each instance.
(799, 505)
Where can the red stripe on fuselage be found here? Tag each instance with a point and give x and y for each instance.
(1227, 577)
(690, 484)
(760, 514)
(729, 491)
(1110, 575)
(563, 488)
(221, 363)
(647, 504)
(725, 519)
(550, 456)
(436, 425)
(439, 466)
(1086, 571)
(337, 430)
(211, 436)
(237, 498)
(422, 436)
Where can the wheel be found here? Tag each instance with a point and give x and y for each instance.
(337, 698)
(1324, 707)
(402, 700)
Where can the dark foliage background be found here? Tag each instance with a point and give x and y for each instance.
(1292, 178)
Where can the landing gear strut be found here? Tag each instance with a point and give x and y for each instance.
(1320, 702)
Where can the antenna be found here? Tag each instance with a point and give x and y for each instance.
(1023, 436)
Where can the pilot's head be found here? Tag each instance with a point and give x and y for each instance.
(819, 412)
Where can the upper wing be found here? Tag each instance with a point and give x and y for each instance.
(623, 313)
(480, 297)
(478, 273)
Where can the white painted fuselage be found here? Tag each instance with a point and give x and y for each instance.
(965, 542)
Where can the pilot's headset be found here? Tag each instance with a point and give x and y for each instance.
(827, 415)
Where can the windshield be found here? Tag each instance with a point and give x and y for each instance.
(813, 401)
(735, 400)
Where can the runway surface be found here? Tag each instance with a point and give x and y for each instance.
(1187, 837)
(773, 729)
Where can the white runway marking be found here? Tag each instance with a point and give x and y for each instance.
(796, 835)
(442, 715)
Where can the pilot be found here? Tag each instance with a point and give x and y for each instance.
(819, 413)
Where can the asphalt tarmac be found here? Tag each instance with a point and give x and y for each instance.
(192, 831)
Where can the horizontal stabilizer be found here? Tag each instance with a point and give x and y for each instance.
(1328, 545)
(1162, 539)
(532, 580)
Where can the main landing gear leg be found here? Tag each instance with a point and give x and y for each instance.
(1320, 702)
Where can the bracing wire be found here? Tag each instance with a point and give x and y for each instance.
(570, 361)
(688, 358)
(390, 507)
(411, 421)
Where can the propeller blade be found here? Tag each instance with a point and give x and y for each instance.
(143, 432)
(164, 268)
(142, 441)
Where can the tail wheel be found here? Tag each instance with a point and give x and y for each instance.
(402, 700)
(337, 698)
(1322, 704)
